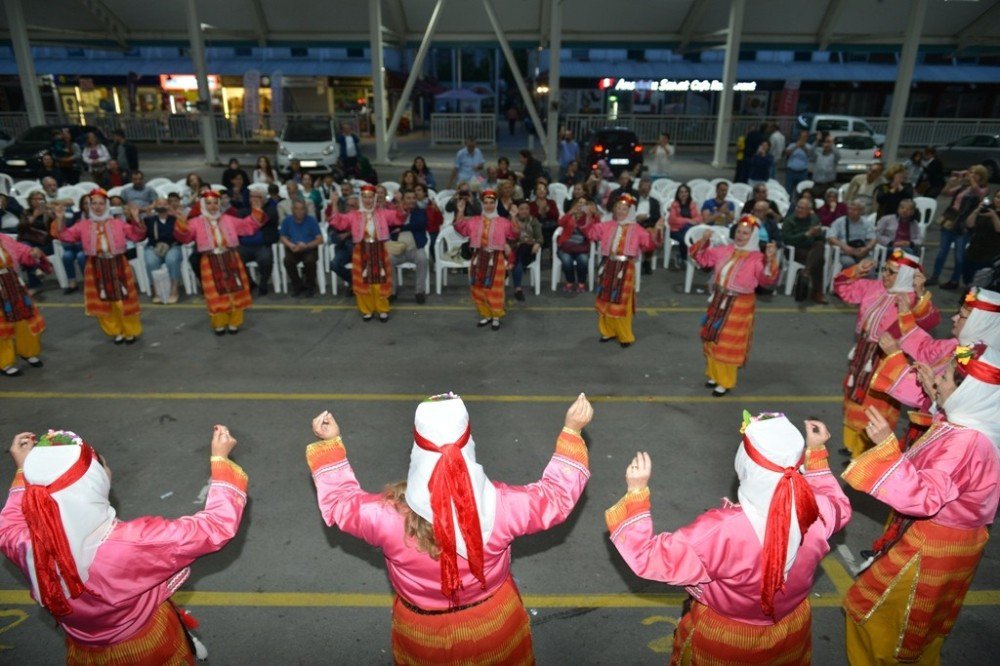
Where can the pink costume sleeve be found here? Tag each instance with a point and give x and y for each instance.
(549, 501)
(22, 254)
(593, 230)
(767, 272)
(341, 221)
(908, 391)
(185, 236)
(14, 536)
(834, 507)
(648, 241)
(72, 234)
(705, 255)
(463, 226)
(396, 218)
(513, 230)
(133, 232)
(920, 345)
(249, 225)
(341, 500)
(850, 287)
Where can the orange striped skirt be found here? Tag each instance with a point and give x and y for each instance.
(36, 324)
(936, 564)
(162, 641)
(94, 305)
(733, 344)
(219, 302)
(496, 631)
(705, 637)
(360, 283)
(492, 297)
(626, 306)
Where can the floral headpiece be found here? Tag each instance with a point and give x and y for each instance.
(901, 257)
(748, 418)
(60, 438)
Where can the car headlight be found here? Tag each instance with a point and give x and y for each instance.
(284, 151)
(329, 150)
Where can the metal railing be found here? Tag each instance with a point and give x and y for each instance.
(455, 128)
(172, 127)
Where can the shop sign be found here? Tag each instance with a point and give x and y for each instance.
(671, 85)
(182, 82)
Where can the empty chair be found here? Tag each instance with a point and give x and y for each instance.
(446, 255)
(693, 235)
(156, 182)
(742, 192)
(804, 185)
(792, 269)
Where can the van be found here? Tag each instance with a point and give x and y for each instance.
(815, 123)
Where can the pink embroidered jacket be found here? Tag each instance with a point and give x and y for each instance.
(354, 222)
(119, 231)
(717, 557)
(501, 231)
(751, 269)
(414, 575)
(950, 476)
(199, 230)
(19, 253)
(877, 312)
(141, 562)
(637, 238)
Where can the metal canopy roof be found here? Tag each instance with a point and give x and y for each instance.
(677, 24)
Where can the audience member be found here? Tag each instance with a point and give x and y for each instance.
(312, 193)
(778, 142)
(761, 162)
(854, 234)
(301, 237)
(343, 243)
(73, 256)
(803, 231)
(719, 211)
(966, 189)
(545, 211)
(626, 185)
(504, 172)
(647, 214)
(573, 175)
(663, 155)
(424, 175)
(257, 247)
(506, 206)
(824, 167)
(350, 151)
(983, 249)
(864, 186)
(231, 170)
(797, 162)
(901, 229)
(95, 156)
(162, 247)
(468, 163)
(770, 225)
(932, 179)
(682, 216)
(890, 193)
(35, 230)
(139, 193)
(831, 208)
(125, 153)
(569, 151)
(472, 205)
(50, 188)
(413, 234)
(531, 171)
(294, 193)
(528, 245)
(263, 173)
(49, 169)
(914, 168)
(68, 155)
(114, 176)
(759, 193)
(573, 248)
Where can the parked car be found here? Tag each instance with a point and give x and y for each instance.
(973, 149)
(618, 146)
(814, 123)
(23, 158)
(311, 141)
(857, 153)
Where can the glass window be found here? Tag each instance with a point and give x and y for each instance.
(308, 130)
(832, 125)
(966, 142)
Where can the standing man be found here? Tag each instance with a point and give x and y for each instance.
(864, 186)
(797, 163)
(824, 168)
(123, 151)
(468, 163)
(301, 237)
(777, 140)
(350, 150)
(413, 234)
(569, 151)
(932, 179)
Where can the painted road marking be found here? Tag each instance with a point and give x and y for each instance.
(410, 397)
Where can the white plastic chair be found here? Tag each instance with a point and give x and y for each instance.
(831, 265)
(321, 267)
(793, 268)
(411, 266)
(57, 265)
(702, 191)
(156, 182)
(692, 236)
(391, 187)
(443, 197)
(842, 191)
(661, 185)
(558, 193)
(716, 181)
(139, 266)
(448, 241)
(774, 187)
(26, 187)
(115, 191)
(188, 276)
(804, 185)
(6, 183)
(927, 208)
(741, 191)
(167, 189)
(697, 181)
(334, 278)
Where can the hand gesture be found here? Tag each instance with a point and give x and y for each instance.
(888, 343)
(817, 434)
(928, 382)
(21, 447)
(579, 414)
(866, 266)
(659, 224)
(918, 283)
(536, 248)
(324, 427)
(878, 429)
(771, 249)
(638, 472)
(903, 303)
(59, 211)
(222, 442)
(706, 235)
(37, 253)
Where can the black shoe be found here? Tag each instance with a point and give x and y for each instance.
(383, 317)
(392, 298)
(366, 317)
(34, 362)
(70, 290)
(130, 340)
(220, 332)
(625, 345)
(604, 339)
(710, 384)
(233, 330)
(865, 554)
(495, 324)
(119, 340)
(519, 295)
(421, 297)
(482, 322)
(718, 392)
(647, 268)
(12, 371)
(930, 282)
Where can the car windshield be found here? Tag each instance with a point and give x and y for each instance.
(308, 130)
(615, 138)
(36, 134)
(860, 142)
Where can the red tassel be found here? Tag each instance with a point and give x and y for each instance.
(187, 619)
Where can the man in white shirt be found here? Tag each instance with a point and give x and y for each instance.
(468, 163)
(350, 149)
(295, 194)
(777, 140)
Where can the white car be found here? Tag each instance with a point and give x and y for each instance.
(857, 152)
(311, 141)
(824, 122)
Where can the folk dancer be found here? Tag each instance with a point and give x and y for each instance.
(224, 279)
(489, 237)
(106, 581)
(109, 289)
(622, 241)
(446, 532)
(747, 567)
(22, 325)
(727, 329)
(943, 492)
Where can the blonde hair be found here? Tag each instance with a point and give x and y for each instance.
(416, 528)
(982, 172)
(891, 172)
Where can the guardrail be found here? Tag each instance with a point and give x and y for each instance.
(455, 128)
(172, 127)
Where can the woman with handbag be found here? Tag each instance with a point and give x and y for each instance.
(573, 247)
(162, 248)
(966, 189)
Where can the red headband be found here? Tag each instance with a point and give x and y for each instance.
(775, 547)
(488, 194)
(981, 370)
(976, 303)
(210, 194)
(750, 221)
(98, 192)
(450, 485)
(369, 188)
(901, 257)
(48, 537)
(627, 198)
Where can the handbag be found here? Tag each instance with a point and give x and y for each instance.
(161, 249)
(395, 248)
(948, 219)
(33, 236)
(407, 239)
(801, 288)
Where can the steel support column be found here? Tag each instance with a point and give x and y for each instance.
(415, 70)
(25, 64)
(208, 137)
(555, 44)
(724, 120)
(378, 80)
(904, 78)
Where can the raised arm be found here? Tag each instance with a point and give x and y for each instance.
(14, 535)
(850, 284)
(834, 507)
(248, 226)
(768, 271)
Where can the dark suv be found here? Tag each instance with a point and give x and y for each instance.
(23, 158)
(618, 146)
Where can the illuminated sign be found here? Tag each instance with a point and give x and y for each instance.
(670, 85)
(186, 82)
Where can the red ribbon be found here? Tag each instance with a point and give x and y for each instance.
(979, 304)
(450, 485)
(901, 258)
(981, 370)
(48, 538)
(775, 546)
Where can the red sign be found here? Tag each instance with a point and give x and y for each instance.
(788, 100)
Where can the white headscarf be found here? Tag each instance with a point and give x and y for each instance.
(87, 516)
(204, 208)
(752, 245)
(904, 279)
(443, 420)
(982, 324)
(781, 443)
(976, 403)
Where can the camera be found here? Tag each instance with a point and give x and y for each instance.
(985, 204)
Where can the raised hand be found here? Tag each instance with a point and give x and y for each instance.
(817, 434)
(927, 379)
(223, 443)
(579, 414)
(771, 249)
(325, 427)
(638, 472)
(21, 447)
(903, 303)
(706, 235)
(878, 428)
(918, 283)
(888, 343)
(866, 266)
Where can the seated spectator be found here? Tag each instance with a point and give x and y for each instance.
(294, 193)
(194, 185)
(257, 246)
(408, 180)
(346, 191)
(312, 194)
(233, 169)
(983, 249)
(914, 167)
(295, 172)
(573, 175)
(574, 249)
(506, 206)
(718, 211)
(50, 188)
(901, 229)
(9, 206)
(647, 214)
(759, 193)
(682, 216)
(577, 191)
(301, 237)
(162, 247)
(528, 245)
(415, 225)
(853, 234)
(263, 172)
(35, 230)
(824, 166)
(424, 175)
(803, 231)
(890, 193)
(343, 243)
(139, 193)
(435, 218)
(545, 211)
(504, 172)
(73, 256)
(114, 176)
(760, 164)
(625, 186)
(770, 225)
(49, 169)
(831, 208)
(864, 186)
(95, 156)
(490, 181)
(472, 205)
(330, 192)
(382, 200)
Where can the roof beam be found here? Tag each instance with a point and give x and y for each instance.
(969, 33)
(397, 19)
(544, 19)
(259, 22)
(829, 21)
(691, 20)
(108, 19)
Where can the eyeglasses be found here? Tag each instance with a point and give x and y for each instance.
(889, 271)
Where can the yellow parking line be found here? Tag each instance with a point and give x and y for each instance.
(411, 397)
(836, 572)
